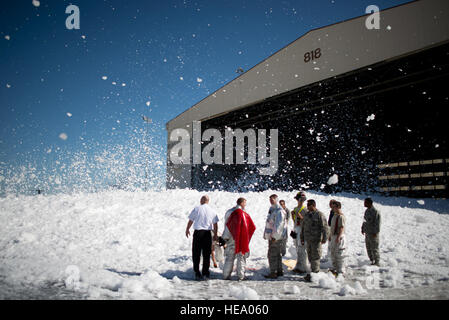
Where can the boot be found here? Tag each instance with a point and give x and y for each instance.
(299, 271)
(198, 276)
(334, 272)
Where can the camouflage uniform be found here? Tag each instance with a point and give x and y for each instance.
(371, 229)
(337, 249)
(314, 230)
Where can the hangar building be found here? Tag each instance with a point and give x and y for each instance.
(364, 105)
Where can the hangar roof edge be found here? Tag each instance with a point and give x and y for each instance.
(283, 48)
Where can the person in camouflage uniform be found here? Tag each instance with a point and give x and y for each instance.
(337, 241)
(371, 230)
(314, 232)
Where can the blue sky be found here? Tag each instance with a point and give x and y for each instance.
(128, 59)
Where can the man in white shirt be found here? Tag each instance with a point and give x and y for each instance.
(204, 219)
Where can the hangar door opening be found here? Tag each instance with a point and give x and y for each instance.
(380, 128)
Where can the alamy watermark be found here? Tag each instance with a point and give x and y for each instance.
(188, 149)
(373, 20)
(72, 21)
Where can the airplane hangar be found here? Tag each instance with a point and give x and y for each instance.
(364, 105)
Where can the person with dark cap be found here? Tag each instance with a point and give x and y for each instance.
(302, 265)
(371, 230)
(204, 219)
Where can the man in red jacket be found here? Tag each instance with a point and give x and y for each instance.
(239, 228)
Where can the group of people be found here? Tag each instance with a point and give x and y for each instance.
(311, 229)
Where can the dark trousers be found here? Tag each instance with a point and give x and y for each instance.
(202, 244)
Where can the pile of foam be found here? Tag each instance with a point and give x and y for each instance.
(121, 244)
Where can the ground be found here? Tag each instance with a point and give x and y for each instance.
(132, 245)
